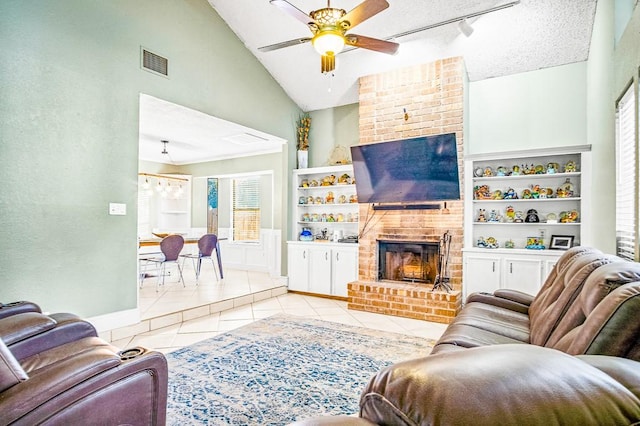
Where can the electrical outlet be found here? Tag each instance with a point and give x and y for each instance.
(542, 233)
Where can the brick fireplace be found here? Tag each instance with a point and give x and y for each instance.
(432, 97)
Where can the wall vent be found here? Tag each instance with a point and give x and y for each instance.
(154, 63)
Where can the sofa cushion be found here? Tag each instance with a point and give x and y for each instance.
(496, 319)
(598, 285)
(21, 326)
(611, 328)
(547, 309)
(505, 385)
(11, 373)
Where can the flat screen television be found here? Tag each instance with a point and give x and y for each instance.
(409, 170)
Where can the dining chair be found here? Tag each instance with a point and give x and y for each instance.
(206, 245)
(170, 246)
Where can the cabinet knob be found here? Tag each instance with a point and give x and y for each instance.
(338, 257)
(493, 266)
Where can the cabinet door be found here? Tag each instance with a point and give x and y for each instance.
(320, 270)
(522, 274)
(298, 267)
(481, 273)
(344, 270)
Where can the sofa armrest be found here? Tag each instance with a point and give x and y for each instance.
(502, 384)
(8, 309)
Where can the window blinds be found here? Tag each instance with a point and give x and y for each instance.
(626, 177)
(246, 209)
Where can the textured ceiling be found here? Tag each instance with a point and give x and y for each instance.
(533, 34)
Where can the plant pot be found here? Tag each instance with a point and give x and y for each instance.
(303, 159)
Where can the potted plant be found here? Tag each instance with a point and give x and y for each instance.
(303, 125)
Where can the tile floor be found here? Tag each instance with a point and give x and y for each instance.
(237, 285)
(170, 338)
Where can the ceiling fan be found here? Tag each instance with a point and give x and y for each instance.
(329, 27)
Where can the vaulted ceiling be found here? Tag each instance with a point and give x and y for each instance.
(531, 35)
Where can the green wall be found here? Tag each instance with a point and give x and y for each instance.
(70, 81)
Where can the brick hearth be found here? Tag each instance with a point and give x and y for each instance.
(433, 97)
(415, 301)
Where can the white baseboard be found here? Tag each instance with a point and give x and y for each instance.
(115, 320)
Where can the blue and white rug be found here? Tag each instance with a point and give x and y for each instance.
(279, 370)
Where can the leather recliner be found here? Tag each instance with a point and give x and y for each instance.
(86, 381)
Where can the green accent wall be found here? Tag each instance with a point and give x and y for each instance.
(70, 81)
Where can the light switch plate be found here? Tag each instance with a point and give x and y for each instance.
(118, 209)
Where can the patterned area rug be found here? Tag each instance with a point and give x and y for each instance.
(279, 370)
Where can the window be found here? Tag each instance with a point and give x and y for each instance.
(245, 218)
(626, 183)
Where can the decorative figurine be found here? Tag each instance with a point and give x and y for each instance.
(323, 218)
(565, 190)
(345, 179)
(340, 217)
(304, 183)
(353, 198)
(313, 183)
(306, 217)
(570, 167)
(511, 214)
(492, 243)
(306, 235)
(488, 172)
(481, 243)
(534, 243)
(532, 216)
(331, 218)
(552, 168)
(552, 218)
(515, 170)
(501, 171)
(509, 244)
(310, 199)
(518, 217)
(569, 216)
(481, 216)
(494, 216)
(330, 197)
(319, 200)
(535, 191)
(342, 199)
(510, 194)
(481, 192)
(302, 200)
(526, 194)
(497, 195)
(478, 172)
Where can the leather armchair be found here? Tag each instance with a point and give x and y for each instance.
(510, 384)
(86, 381)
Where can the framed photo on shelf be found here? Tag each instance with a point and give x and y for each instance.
(561, 242)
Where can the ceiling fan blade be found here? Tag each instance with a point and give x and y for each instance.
(293, 11)
(363, 11)
(370, 43)
(284, 44)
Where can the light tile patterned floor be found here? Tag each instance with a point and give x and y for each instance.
(174, 297)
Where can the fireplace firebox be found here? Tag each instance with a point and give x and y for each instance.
(408, 261)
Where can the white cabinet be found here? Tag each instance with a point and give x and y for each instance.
(522, 273)
(325, 200)
(344, 269)
(322, 268)
(500, 190)
(482, 273)
(516, 269)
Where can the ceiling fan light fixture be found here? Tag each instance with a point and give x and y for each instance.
(328, 43)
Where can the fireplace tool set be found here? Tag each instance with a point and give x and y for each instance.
(442, 279)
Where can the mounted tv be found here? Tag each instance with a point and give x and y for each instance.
(408, 170)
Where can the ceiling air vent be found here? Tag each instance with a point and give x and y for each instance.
(154, 63)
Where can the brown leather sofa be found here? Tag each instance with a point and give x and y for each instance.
(65, 375)
(568, 355)
(510, 384)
